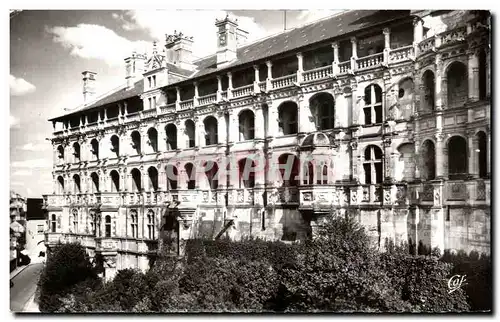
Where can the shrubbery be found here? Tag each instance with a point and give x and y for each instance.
(337, 271)
(67, 266)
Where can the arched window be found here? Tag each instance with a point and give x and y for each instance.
(94, 149)
(323, 108)
(211, 171)
(373, 104)
(190, 132)
(457, 84)
(136, 180)
(136, 141)
(308, 177)
(151, 224)
(288, 118)
(457, 157)
(107, 226)
(115, 145)
(153, 178)
(115, 181)
(373, 164)
(60, 185)
(482, 155)
(246, 170)
(322, 177)
(428, 91)
(76, 182)
(191, 173)
(483, 74)
(171, 131)
(172, 177)
(289, 169)
(53, 223)
(95, 182)
(211, 137)
(60, 154)
(247, 125)
(134, 223)
(76, 152)
(153, 139)
(428, 160)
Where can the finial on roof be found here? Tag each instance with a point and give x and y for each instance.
(154, 47)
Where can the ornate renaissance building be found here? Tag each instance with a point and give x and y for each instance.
(383, 116)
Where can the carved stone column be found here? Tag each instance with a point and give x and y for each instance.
(440, 155)
(473, 76)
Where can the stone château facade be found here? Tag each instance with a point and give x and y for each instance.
(379, 115)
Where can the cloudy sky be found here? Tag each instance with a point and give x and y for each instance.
(50, 49)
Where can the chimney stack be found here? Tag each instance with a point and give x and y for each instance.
(228, 38)
(88, 86)
(179, 50)
(134, 68)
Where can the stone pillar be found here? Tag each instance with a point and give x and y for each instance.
(199, 135)
(219, 88)
(418, 32)
(195, 98)
(355, 110)
(355, 161)
(273, 120)
(229, 85)
(300, 61)
(269, 65)
(488, 151)
(105, 114)
(354, 55)
(387, 44)
(256, 87)
(438, 94)
(473, 73)
(259, 122)
(222, 128)
(303, 120)
(233, 127)
(178, 99)
(387, 159)
(181, 135)
(440, 155)
(488, 71)
(335, 63)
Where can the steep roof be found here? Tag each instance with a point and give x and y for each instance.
(340, 24)
(334, 26)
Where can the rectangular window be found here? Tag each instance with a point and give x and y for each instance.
(40, 229)
(368, 173)
(378, 170)
(378, 114)
(368, 115)
(154, 81)
(150, 103)
(149, 82)
(134, 226)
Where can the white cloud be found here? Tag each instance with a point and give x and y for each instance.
(22, 173)
(199, 24)
(34, 147)
(14, 122)
(95, 42)
(19, 86)
(33, 163)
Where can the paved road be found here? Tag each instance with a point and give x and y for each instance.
(24, 286)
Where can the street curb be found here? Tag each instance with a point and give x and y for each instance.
(19, 271)
(30, 303)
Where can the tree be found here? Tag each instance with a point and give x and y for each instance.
(67, 265)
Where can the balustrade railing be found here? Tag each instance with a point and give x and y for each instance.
(262, 86)
(242, 91)
(283, 81)
(207, 99)
(453, 36)
(426, 45)
(344, 67)
(370, 61)
(167, 109)
(184, 105)
(317, 73)
(401, 54)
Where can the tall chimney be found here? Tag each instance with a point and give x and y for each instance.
(228, 35)
(134, 68)
(179, 50)
(88, 85)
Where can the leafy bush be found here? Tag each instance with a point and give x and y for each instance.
(67, 265)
